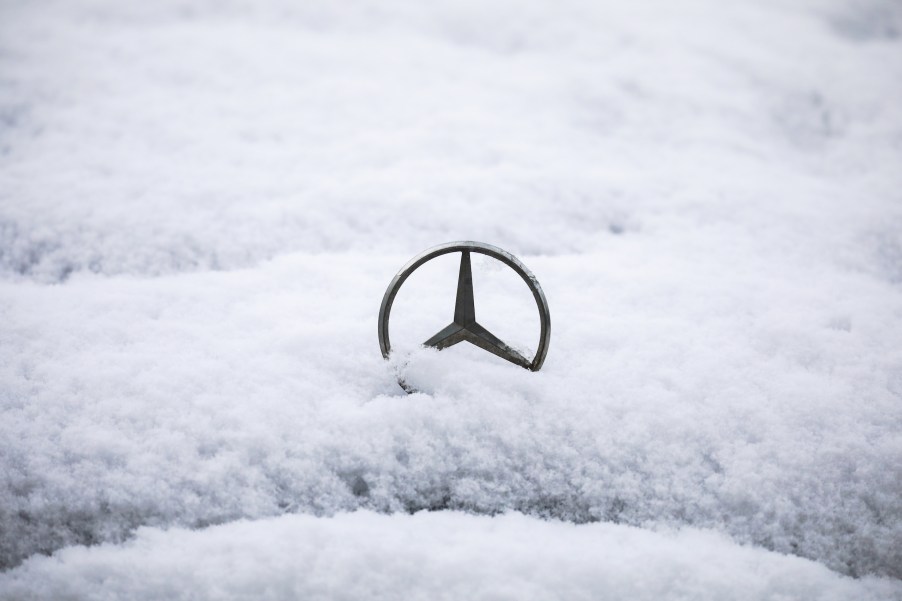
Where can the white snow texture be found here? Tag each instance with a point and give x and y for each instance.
(201, 205)
(432, 555)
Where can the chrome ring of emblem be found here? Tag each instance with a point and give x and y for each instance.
(464, 327)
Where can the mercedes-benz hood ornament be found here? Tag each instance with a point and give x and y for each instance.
(464, 326)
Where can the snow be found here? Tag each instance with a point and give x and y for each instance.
(430, 555)
(200, 209)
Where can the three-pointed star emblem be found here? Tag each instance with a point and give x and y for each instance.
(466, 328)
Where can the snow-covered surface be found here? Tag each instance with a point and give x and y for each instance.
(429, 556)
(201, 206)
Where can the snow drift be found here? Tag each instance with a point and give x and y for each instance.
(200, 209)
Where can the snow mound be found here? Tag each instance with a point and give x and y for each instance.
(202, 399)
(439, 555)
